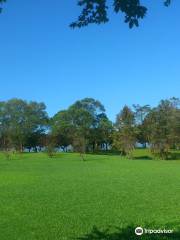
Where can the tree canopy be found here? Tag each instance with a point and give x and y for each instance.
(124, 138)
(163, 127)
(21, 121)
(96, 11)
(85, 127)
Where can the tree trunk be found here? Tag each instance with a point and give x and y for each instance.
(21, 147)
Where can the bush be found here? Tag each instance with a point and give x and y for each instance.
(7, 155)
(50, 150)
(79, 145)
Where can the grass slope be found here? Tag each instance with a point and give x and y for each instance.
(65, 198)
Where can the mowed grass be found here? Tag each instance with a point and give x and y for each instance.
(64, 198)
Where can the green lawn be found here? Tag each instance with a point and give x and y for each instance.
(65, 198)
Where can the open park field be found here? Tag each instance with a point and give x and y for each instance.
(90, 120)
(105, 197)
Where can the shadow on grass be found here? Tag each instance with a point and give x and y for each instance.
(143, 158)
(127, 233)
(175, 155)
(115, 153)
(172, 155)
(109, 153)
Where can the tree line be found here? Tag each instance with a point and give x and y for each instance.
(86, 127)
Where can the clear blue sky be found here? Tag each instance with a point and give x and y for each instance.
(42, 59)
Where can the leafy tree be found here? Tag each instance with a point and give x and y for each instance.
(163, 127)
(50, 145)
(79, 124)
(62, 129)
(96, 11)
(102, 134)
(20, 120)
(87, 115)
(4, 136)
(140, 113)
(35, 139)
(79, 144)
(94, 107)
(124, 138)
(69, 125)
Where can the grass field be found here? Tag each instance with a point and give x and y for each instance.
(105, 198)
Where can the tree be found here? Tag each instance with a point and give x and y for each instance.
(79, 124)
(35, 139)
(101, 135)
(72, 126)
(88, 114)
(94, 107)
(62, 129)
(140, 113)
(20, 120)
(163, 127)
(50, 145)
(96, 11)
(79, 144)
(124, 138)
(4, 139)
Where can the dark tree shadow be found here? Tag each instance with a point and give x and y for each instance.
(127, 233)
(108, 153)
(175, 155)
(143, 158)
(172, 156)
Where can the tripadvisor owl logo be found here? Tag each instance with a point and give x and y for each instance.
(139, 231)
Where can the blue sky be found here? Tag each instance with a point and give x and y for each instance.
(42, 59)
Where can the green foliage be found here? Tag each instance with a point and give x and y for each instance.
(62, 129)
(84, 123)
(104, 130)
(21, 121)
(140, 113)
(124, 138)
(96, 11)
(51, 144)
(8, 154)
(163, 127)
(79, 145)
(50, 150)
(124, 141)
(85, 127)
